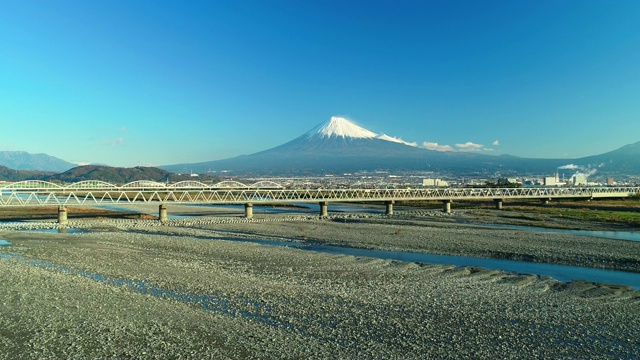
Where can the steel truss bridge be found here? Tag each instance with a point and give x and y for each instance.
(94, 192)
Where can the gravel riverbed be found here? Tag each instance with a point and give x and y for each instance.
(139, 289)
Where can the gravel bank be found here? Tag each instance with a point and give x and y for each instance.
(137, 289)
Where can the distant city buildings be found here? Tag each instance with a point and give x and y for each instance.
(410, 179)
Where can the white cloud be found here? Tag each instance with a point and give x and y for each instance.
(469, 146)
(496, 143)
(569, 167)
(437, 147)
(466, 147)
(114, 142)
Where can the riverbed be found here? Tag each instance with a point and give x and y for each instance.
(138, 289)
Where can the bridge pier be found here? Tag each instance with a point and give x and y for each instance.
(447, 206)
(389, 207)
(498, 203)
(62, 215)
(162, 213)
(248, 210)
(324, 205)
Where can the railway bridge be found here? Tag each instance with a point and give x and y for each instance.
(96, 192)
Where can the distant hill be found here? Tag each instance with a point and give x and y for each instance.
(119, 175)
(624, 160)
(115, 175)
(12, 175)
(21, 160)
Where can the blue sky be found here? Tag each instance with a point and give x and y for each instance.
(132, 82)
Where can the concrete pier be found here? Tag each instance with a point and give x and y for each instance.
(162, 213)
(389, 207)
(248, 210)
(498, 203)
(324, 205)
(62, 215)
(447, 206)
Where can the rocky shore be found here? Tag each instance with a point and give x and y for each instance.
(139, 289)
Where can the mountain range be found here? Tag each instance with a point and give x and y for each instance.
(335, 147)
(21, 160)
(340, 146)
(114, 175)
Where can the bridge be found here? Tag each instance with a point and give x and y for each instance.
(95, 192)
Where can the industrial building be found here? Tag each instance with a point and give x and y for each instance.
(434, 182)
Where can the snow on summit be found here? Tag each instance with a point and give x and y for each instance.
(341, 127)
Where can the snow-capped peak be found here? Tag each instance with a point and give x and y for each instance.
(341, 127)
(396, 140)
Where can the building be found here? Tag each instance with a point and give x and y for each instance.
(552, 180)
(434, 182)
(579, 179)
(508, 181)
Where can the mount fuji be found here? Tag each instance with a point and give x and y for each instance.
(340, 139)
(340, 146)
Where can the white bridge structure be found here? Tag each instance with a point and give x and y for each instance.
(95, 192)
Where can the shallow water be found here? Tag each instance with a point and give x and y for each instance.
(300, 208)
(616, 235)
(58, 231)
(4, 243)
(562, 273)
(313, 208)
(340, 208)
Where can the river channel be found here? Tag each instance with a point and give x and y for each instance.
(561, 273)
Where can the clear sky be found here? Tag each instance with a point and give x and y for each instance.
(153, 82)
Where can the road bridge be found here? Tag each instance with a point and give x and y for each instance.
(95, 192)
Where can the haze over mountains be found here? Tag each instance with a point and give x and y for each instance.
(340, 146)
